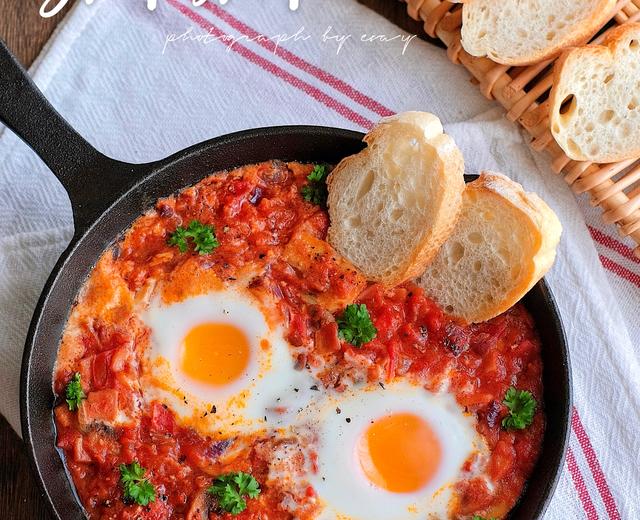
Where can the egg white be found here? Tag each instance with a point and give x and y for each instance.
(252, 402)
(341, 485)
(271, 395)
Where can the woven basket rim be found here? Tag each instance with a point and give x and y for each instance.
(522, 91)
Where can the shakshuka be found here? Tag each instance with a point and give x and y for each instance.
(223, 361)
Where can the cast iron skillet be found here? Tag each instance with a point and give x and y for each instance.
(108, 195)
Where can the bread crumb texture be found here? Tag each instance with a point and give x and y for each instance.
(503, 244)
(395, 203)
(521, 32)
(595, 102)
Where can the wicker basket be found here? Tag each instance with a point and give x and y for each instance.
(523, 92)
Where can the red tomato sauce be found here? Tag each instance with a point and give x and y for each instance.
(480, 363)
(180, 463)
(265, 226)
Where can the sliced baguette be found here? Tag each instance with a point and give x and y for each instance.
(395, 203)
(595, 101)
(504, 242)
(514, 32)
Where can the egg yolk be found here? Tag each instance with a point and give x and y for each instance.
(399, 453)
(215, 353)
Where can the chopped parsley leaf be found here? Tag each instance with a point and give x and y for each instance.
(355, 325)
(231, 489)
(522, 407)
(73, 393)
(202, 235)
(136, 488)
(316, 189)
(478, 517)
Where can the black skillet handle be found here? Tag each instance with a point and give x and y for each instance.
(92, 180)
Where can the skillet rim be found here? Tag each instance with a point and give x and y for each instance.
(145, 173)
(141, 174)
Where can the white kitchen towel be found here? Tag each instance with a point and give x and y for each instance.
(141, 85)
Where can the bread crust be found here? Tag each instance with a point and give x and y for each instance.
(571, 60)
(581, 34)
(539, 229)
(447, 202)
(543, 224)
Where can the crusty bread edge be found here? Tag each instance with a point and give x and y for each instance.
(450, 204)
(450, 201)
(556, 96)
(544, 224)
(601, 15)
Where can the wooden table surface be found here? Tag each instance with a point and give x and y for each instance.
(25, 32)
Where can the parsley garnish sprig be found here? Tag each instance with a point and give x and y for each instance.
(231, 489)
(136, 488)
(522, 407)
(73, 393)
(202, 235)
(316, 190)
(355, 325)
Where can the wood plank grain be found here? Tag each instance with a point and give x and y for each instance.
(25, 32)
(396, 12)
(20, 495)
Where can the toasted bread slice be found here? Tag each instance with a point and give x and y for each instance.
(514, 32)
(595, 101)
(395, 203)
(504, 242)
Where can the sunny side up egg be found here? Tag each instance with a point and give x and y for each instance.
(215, 361)
(383, 453)
(391, 453)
